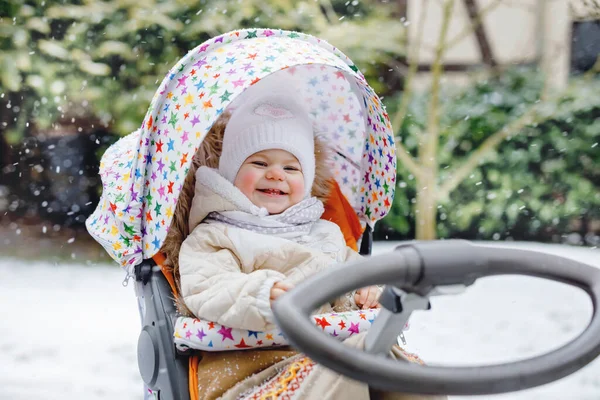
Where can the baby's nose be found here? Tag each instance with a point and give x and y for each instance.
(276, 173)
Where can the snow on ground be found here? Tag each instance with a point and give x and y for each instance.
(70, 331)
(67, 332)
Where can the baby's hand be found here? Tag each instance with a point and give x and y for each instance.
(280, 288)
(367, 297)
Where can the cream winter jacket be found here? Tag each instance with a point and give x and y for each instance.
(227, 272)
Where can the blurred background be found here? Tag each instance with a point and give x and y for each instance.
(508, 90)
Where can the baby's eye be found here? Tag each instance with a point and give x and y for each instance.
(259, 163)
(291, 168)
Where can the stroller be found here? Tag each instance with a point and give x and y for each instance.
(143, 174)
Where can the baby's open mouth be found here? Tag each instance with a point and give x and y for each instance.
(272, 191)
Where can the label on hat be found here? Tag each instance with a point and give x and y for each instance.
(275, 112)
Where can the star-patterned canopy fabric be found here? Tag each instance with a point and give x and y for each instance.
(142, 174)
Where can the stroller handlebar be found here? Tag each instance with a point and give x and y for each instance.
(419, 267)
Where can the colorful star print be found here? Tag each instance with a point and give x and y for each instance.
(225, 333)
(214, 337)
(142, 174)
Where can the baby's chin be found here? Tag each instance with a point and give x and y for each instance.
(273, 205)
(274, 209)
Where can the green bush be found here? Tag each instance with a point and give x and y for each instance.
(103, 60)
(77, 72)
(540, 183)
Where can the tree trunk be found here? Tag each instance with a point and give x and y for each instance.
(426, 208)
(427, 189)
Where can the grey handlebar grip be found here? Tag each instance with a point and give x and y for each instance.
(417, 267)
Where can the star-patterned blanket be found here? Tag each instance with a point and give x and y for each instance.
(142, 174)
(192, 333)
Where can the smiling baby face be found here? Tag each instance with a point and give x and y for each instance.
(272, 179)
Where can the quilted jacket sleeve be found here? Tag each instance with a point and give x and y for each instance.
(352, 255)
(346, 302)
(215, 288)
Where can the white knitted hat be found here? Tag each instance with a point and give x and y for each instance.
(268, 121)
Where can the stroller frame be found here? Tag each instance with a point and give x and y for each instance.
(163, 369)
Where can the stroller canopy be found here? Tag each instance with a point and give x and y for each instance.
(143, 173)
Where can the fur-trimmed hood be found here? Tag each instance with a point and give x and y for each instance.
(208, 155)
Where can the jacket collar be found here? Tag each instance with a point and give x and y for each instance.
(219, 199)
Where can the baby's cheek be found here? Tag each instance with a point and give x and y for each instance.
(246, 182)
(297, 186)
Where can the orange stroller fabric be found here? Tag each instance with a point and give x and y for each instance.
(339, 211)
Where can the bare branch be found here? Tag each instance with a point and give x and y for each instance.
(484, 150)
(470, 28)
(458, 174)
(429, 144)
(413, 64)
(487, 54)
(331, 15)
(407, 160)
